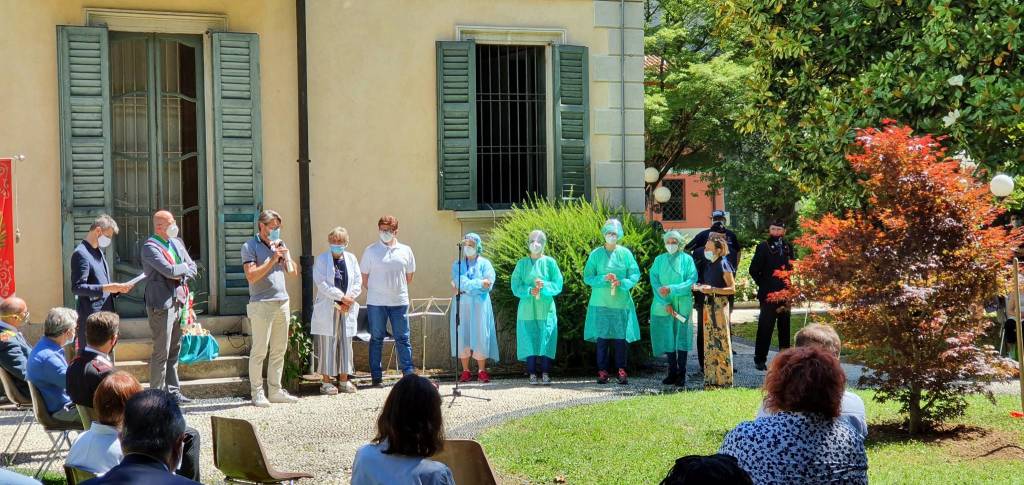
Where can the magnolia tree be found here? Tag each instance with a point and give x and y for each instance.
(908, 274)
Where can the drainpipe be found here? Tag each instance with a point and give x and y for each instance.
(306, 259)
(622, 91)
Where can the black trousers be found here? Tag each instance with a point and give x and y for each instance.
(698, 303)
(767, 321)
(190, 459)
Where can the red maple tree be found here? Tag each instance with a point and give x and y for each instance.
(909, 273)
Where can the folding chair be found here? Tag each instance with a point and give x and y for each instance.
(467, 461)
(238, 454)
(87, 415)
(51, 426)
(23, 405)
(75, 476)
(363, 335)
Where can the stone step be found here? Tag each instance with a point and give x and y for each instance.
(142, 348)
(135, 328)
(215, 388)
(221, 367)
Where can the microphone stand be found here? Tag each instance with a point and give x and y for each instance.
(456, 392)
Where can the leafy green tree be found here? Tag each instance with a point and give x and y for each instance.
(825, 68)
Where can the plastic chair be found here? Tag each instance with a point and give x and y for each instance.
(76, 475)
(23, 405)
(87, 415)
(467, 461)
(363, 335)
(239, 455)
(52, 427)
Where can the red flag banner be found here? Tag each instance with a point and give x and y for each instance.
(6, 227)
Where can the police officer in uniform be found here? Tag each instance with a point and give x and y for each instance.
(771, 255)
(14, 349)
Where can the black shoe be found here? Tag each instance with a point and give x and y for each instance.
(681, 382)
(670, 379)
(377, 383)
(760, 366)
(181, 399)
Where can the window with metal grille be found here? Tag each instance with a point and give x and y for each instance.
(675, 208)
(511, 144)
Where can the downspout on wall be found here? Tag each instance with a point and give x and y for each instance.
(306, 259)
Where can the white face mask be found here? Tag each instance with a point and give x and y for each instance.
(172, 231)
(672, 248)
(470, 251)
(709, 255)
(611, 238)
(386, 236)
(536, 247)
(103, 241)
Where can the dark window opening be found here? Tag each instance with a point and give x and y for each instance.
(675, 208)
(511, 144)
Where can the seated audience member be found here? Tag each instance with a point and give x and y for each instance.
(93, 363)
(825, 337)
(409, 431)
(8, 477)
(98, 450)
(706, 470)
(153, 440)
(801, 441)
(47, 366)
(14, 348)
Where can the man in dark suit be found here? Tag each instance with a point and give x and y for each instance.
(14, 349)
(93, 364)
(771, 255)
(90, 274)
(696, 249)
(168, 268)
(152, 439)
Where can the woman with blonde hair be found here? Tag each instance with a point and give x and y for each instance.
(719, 284)
(338, 283)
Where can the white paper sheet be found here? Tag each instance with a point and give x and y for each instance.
(136, 279)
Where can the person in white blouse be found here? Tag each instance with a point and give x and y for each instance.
(99, 449)
(338, 283)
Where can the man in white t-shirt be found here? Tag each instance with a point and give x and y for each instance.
(387, 267)
(824, 336)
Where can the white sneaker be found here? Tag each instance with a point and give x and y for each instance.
(545, 379)
(347, 387)
(533, 380)
(282, 397)
(260, 401)
(328, 389)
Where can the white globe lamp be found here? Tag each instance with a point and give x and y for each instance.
(651, 175)
(1001, 185)
(662, 194)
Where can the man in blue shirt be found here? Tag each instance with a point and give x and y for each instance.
(48, 367)
(14, 349)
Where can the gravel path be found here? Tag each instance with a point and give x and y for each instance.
(320, 434)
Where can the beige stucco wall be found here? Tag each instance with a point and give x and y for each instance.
(29, 123)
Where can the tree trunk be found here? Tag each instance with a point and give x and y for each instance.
(914, 407)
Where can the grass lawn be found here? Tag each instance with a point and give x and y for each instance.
(637, 440)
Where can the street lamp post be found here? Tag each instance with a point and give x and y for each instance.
(1002, 186)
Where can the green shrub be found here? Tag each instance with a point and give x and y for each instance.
(573, 230)
(746, 289)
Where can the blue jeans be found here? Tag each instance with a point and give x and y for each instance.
(535, 361)
(378, 317)
(604, 356)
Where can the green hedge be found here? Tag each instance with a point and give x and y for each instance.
(573, 230)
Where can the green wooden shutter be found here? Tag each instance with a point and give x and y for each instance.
(237, 155)
(456, 125)
(571, 122)
(84, 88)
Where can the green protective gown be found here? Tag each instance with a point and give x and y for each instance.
(678, 273)
(536, 318)
(611, 316)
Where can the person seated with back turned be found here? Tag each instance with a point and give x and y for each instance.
(410, 429)
(706, 470)
(48, 367)
(153, 439)
(93, 366)
(98, 450)
(803, 441)
(825, 337)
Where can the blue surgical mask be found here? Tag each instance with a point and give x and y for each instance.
(275, 234)
(470, 251)
(709, 255)
(611, 238)
(338, 248)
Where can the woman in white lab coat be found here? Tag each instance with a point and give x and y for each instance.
(338, 283)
